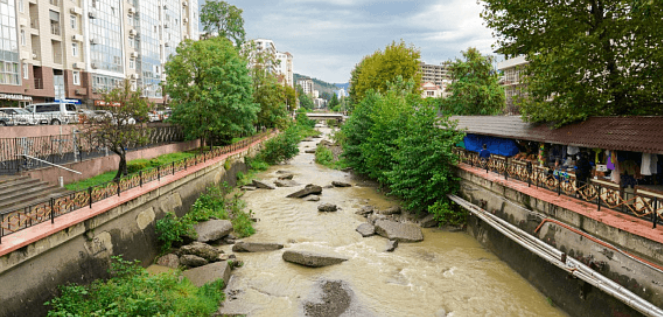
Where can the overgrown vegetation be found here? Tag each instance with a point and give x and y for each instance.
(212, 204)
(134, 166)
(131, 291)
(398, 139)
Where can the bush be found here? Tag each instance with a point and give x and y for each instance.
(448, 213)
(282, 147)
(131, 291)
(170, 230)
(324, 156)
(303, 120)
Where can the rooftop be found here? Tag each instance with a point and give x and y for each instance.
(635, 134)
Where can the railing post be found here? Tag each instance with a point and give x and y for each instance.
(173, 167)
(506, 169)
(159, 172)
(89, 192)
(598, 198)
(559, 184)
(654, 216)
(52, 211)
(2, 229)
(140, 175)
(118, 187)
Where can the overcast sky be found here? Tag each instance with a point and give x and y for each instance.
(328, 37)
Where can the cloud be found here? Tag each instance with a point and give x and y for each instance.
(327, 38)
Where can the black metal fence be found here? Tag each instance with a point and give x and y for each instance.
(69, 148)
(14, 220)
(638, 202)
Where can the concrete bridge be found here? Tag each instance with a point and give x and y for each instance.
(326, 116)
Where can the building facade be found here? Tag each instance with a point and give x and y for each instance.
(436, 74)
(286, 69)
(307, 86)
(513, 70)
(75, 50)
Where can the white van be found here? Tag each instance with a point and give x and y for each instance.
(53, 113)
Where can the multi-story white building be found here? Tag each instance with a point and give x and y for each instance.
(513, 70)
(75, 50)
(435, 74)
(307, 86)
(285, 68)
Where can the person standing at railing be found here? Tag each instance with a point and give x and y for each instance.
(484, 155)
(583, 169)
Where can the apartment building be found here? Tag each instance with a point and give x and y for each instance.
(435, 74)
(513, 70)
(307, 86)
(285, 68)
(75, 50)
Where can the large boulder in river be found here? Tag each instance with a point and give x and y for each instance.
(310, 151)
(429, 222)
(169, 260)
(341, 184)
(209, 273)
(256, 247)
(365, 211)
(309, 190)
(391, 211)
(366, 230)
(312, 198)
(327, 207)
(263, 185)
(287, 176)
(202, 250)
(391, 245)
(212, 230)
(286, 183)
(398, 231)
(312, 259)
(192, 260)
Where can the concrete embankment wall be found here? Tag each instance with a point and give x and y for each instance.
(572, 295)
(82, 253)
(100, 165)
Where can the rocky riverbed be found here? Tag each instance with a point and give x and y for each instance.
(364, 256)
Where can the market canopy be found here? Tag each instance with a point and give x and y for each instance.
(635, 134)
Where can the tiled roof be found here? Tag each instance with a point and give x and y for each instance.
(636, 134)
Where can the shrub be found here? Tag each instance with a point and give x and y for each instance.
(324, 156)
(171, 229)
(131, 291)
(282, 147)
(448, 213)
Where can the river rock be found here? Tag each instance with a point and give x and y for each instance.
(202, 250)
(169, 260)
(402, 232)
(287, 176)
(366, 230)
(312, 198)
(327, 207)
(391, 245)
(248, 188)
(209, 273)
(282, 172)
(367, 210)
(212, 230)
(373, 218)
(312, 259)
(310, 151)
(309, 190)
(325, 143)
(341, 184)
(391, 211)
(428, 222)
(263, 185)
(256, 247)
(192, 260)
(286, 183)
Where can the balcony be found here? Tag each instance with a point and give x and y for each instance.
(34, 23)
(39, 83)
(55, 28)
(57, 58)
(54, 2)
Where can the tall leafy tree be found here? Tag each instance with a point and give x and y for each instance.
(382, 67)
(267, 91)
(305, 100)
(592, 57)
(118, 131)
(219, 17)
(211, 89)
(333, 102)
(474, 87)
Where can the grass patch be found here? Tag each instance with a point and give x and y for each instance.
(131, 291)
(133, 166)
(325, 156)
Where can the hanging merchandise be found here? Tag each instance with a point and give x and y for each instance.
(542, 154)
(616, 176)
(646, 166)
(611, 160)
(572, 150)
(598, 153)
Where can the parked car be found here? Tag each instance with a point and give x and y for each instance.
(53, 113)
(17, 116)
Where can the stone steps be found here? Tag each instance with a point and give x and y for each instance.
(21, 191)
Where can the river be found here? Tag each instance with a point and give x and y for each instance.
(449, 272)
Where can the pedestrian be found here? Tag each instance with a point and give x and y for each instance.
(582, 168)
(484, 155)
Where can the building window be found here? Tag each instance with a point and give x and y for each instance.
(23, 37)
(73, 21)
(130, 17)
(131, 41)
(26, 74)
(76, 77)
(74, 49)
(132, 63)
(20, 5)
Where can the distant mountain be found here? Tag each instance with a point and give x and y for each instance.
(322, 86)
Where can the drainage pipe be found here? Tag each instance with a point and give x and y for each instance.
(553, 256)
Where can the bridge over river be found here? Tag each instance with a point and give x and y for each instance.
(327, 116)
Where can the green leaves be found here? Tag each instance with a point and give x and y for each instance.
(223, 19)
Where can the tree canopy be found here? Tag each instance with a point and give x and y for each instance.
(267, 92)
(376, 70)
(474, 88)
(211, 89)
(224, 19)
(587, 58)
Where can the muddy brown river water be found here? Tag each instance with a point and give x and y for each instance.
(448, 274)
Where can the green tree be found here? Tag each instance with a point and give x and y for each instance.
(587, 58)
(305, 100)
(382, 67)
(474, 88)
(211, 89)
(333, 103)
(118, 131)
(219, 17)
(267, 92)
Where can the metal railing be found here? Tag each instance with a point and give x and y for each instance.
(68, 148)
(55, 28)
(15, 220)
(34, 23)
(637, 202)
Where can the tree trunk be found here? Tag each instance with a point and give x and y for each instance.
(122, 169)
